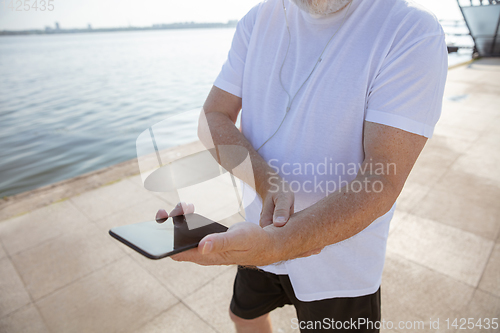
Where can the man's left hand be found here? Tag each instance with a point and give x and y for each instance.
(244, 243)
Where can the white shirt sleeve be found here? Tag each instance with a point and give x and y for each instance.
(408, 91)
(231, 76)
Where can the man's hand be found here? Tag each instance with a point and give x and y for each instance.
(244, 243)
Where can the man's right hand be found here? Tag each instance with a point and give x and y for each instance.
(277, 206)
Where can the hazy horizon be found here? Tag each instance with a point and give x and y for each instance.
(72, 14)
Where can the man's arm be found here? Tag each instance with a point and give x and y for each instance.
(345, 213)
(221, 110)
(335, 218)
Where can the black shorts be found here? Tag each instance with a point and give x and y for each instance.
(257, 292)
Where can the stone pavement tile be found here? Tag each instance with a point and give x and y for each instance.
(58, 262)
(432, 163)
(455, 144)
(411, 292)
(485, 71)
(475, 187)
(178, 319)
(121, 297)
(466, 116)
(215, 198)
(482, 160)
(485, 102)
(170, 197)
(282, 319)
(426, 175)
(211, 302)
(456, 138)
(13, 295)
(490, 281)
(491, 136)
(397, 219)
(25, 320)
(181, 278)
(459, 92)
(32, 229)
(455, 88)
(2, 252)
(411, 195)
(137, 179)
(465, 201)
(447, 250)
(482, 306)
(141, 212)
(110, 199)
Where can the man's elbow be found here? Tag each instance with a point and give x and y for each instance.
(387, 191)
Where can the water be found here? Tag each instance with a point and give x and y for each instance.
(71, 104)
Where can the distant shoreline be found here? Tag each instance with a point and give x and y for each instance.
(170, 26)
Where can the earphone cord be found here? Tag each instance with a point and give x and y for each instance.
(290, 98)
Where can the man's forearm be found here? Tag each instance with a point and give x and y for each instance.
(333, 219)
(223, 132)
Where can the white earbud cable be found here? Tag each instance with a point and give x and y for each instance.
(290, 98)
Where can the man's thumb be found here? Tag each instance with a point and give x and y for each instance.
(281, 213)
(214, 243)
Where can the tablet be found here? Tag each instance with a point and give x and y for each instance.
(176, 234)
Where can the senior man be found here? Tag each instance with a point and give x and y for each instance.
(337, 100)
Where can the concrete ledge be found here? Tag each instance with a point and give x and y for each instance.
(25, 202)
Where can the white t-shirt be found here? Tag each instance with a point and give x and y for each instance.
(387, 64)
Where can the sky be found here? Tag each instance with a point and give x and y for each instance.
(123, 13)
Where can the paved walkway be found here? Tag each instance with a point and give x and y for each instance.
(61, 272)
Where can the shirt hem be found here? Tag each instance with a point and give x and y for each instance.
(274, 269)
(404, 123)
(336, 294)
(228, 87)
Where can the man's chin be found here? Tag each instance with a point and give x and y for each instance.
(321, 7)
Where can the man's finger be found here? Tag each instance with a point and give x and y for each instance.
(161, 216)
(182, 208)
(266, 217)
(188, 255)
(282, 211)
(187, 208)
(177, 210)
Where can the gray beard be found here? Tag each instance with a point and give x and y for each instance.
(321, 7)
